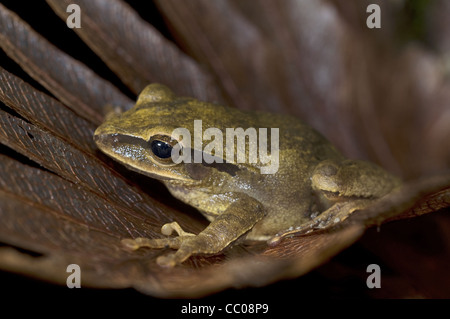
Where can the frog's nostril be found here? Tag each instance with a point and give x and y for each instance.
(98, 138)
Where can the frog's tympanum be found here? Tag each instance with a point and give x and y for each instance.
(314, 186)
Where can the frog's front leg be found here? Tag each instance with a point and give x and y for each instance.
(234, 222)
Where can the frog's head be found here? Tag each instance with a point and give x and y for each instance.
(142, 138)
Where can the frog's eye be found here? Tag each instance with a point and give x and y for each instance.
(161, 147)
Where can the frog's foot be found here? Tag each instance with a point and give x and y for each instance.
(166, 229)
(329, 218)
(238, 219)
(335, 214)
(174, 243)
(188, 246)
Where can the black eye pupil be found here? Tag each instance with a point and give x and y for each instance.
(161, 149)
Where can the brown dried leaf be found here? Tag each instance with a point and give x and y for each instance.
(89, 232)
(69, 80)
(65, 204)
(267, 62)
(135, 51)
(45, 112)
(77, 209)
(76, 166)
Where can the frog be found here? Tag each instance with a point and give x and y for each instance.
(314, 186)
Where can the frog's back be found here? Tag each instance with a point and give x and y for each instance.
(287, 194)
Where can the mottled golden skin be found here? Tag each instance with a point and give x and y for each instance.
(314, 187)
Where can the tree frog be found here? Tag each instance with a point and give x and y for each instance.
(314, 186)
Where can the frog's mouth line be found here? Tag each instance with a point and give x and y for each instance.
(162, 175)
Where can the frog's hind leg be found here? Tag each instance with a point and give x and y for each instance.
(334, 215)
(337, 213)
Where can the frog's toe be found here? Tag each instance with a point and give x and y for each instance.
(168, 261)
(169, 228)
(171, 260)
(139, 242)
(130, 244)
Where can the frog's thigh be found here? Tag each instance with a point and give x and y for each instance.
(353, 178)
(239, 218)
(332, 216)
